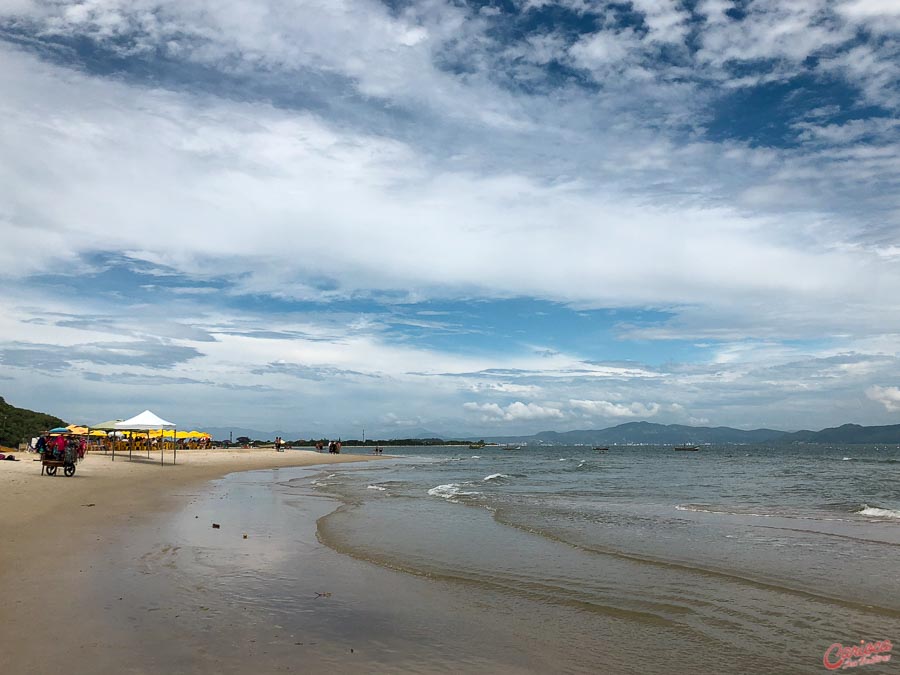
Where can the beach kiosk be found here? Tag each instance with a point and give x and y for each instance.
(146, 422)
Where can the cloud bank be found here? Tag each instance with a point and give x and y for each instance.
(256, 204)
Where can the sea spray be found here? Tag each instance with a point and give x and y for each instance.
(876, 512)
(495, 476)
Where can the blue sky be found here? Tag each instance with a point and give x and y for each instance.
(460, 217)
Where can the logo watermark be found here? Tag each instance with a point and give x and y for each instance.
(837, 656)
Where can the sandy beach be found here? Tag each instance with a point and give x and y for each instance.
(48, 524)
(387, 567)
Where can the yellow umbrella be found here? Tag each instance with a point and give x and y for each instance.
(77, 430)
(182, 434)
(97, 432)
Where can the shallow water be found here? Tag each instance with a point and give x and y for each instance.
(731, 560)
(733, 551)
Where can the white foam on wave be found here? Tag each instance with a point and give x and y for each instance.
(846, 459)
(563, 459)
(450, 491)
(704, 509)
(875, 512)
(476, 456)
(376, 487)
(495, 476)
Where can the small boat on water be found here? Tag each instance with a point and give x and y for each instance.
(687, 448)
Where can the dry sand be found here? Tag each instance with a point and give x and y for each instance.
(46, 523)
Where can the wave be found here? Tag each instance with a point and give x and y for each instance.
(376, 487)
(496, 476)
(876, 512)
(476, 456)
(451, 491)
(846, 459)
(696, 508)
(864, 510)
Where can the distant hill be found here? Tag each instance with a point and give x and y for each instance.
(848, 433)
(648, 433)
(19, 424)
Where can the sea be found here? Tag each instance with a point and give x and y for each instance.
(640, 559)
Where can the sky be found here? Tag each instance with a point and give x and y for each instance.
(465, 218)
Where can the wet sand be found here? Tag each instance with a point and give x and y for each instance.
(141, 582)
(53, 531)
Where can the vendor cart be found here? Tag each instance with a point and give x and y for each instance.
(52, 461)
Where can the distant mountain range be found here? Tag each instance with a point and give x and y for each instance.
(848, 433)
(649, 433)
(17, 424)
(646, 433)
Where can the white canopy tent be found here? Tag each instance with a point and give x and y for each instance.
(146, 421)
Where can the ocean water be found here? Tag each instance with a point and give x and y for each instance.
(730, 552)
(637, 560)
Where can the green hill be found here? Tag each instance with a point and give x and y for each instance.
(849, 433)
(19, 424)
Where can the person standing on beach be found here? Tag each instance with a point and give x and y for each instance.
(59, 446)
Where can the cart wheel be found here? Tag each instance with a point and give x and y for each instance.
(51, 470)
(69, 470)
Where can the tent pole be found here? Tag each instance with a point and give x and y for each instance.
(174, 446)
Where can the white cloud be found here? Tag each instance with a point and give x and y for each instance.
(465, 188)
(610, 409)
(514, 412)
(771, 30)
(267, 191)
(666, 20)
(506, 388)
(881, 16)
(606, 49)
(889, 397)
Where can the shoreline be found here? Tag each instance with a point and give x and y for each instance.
(50, 525)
